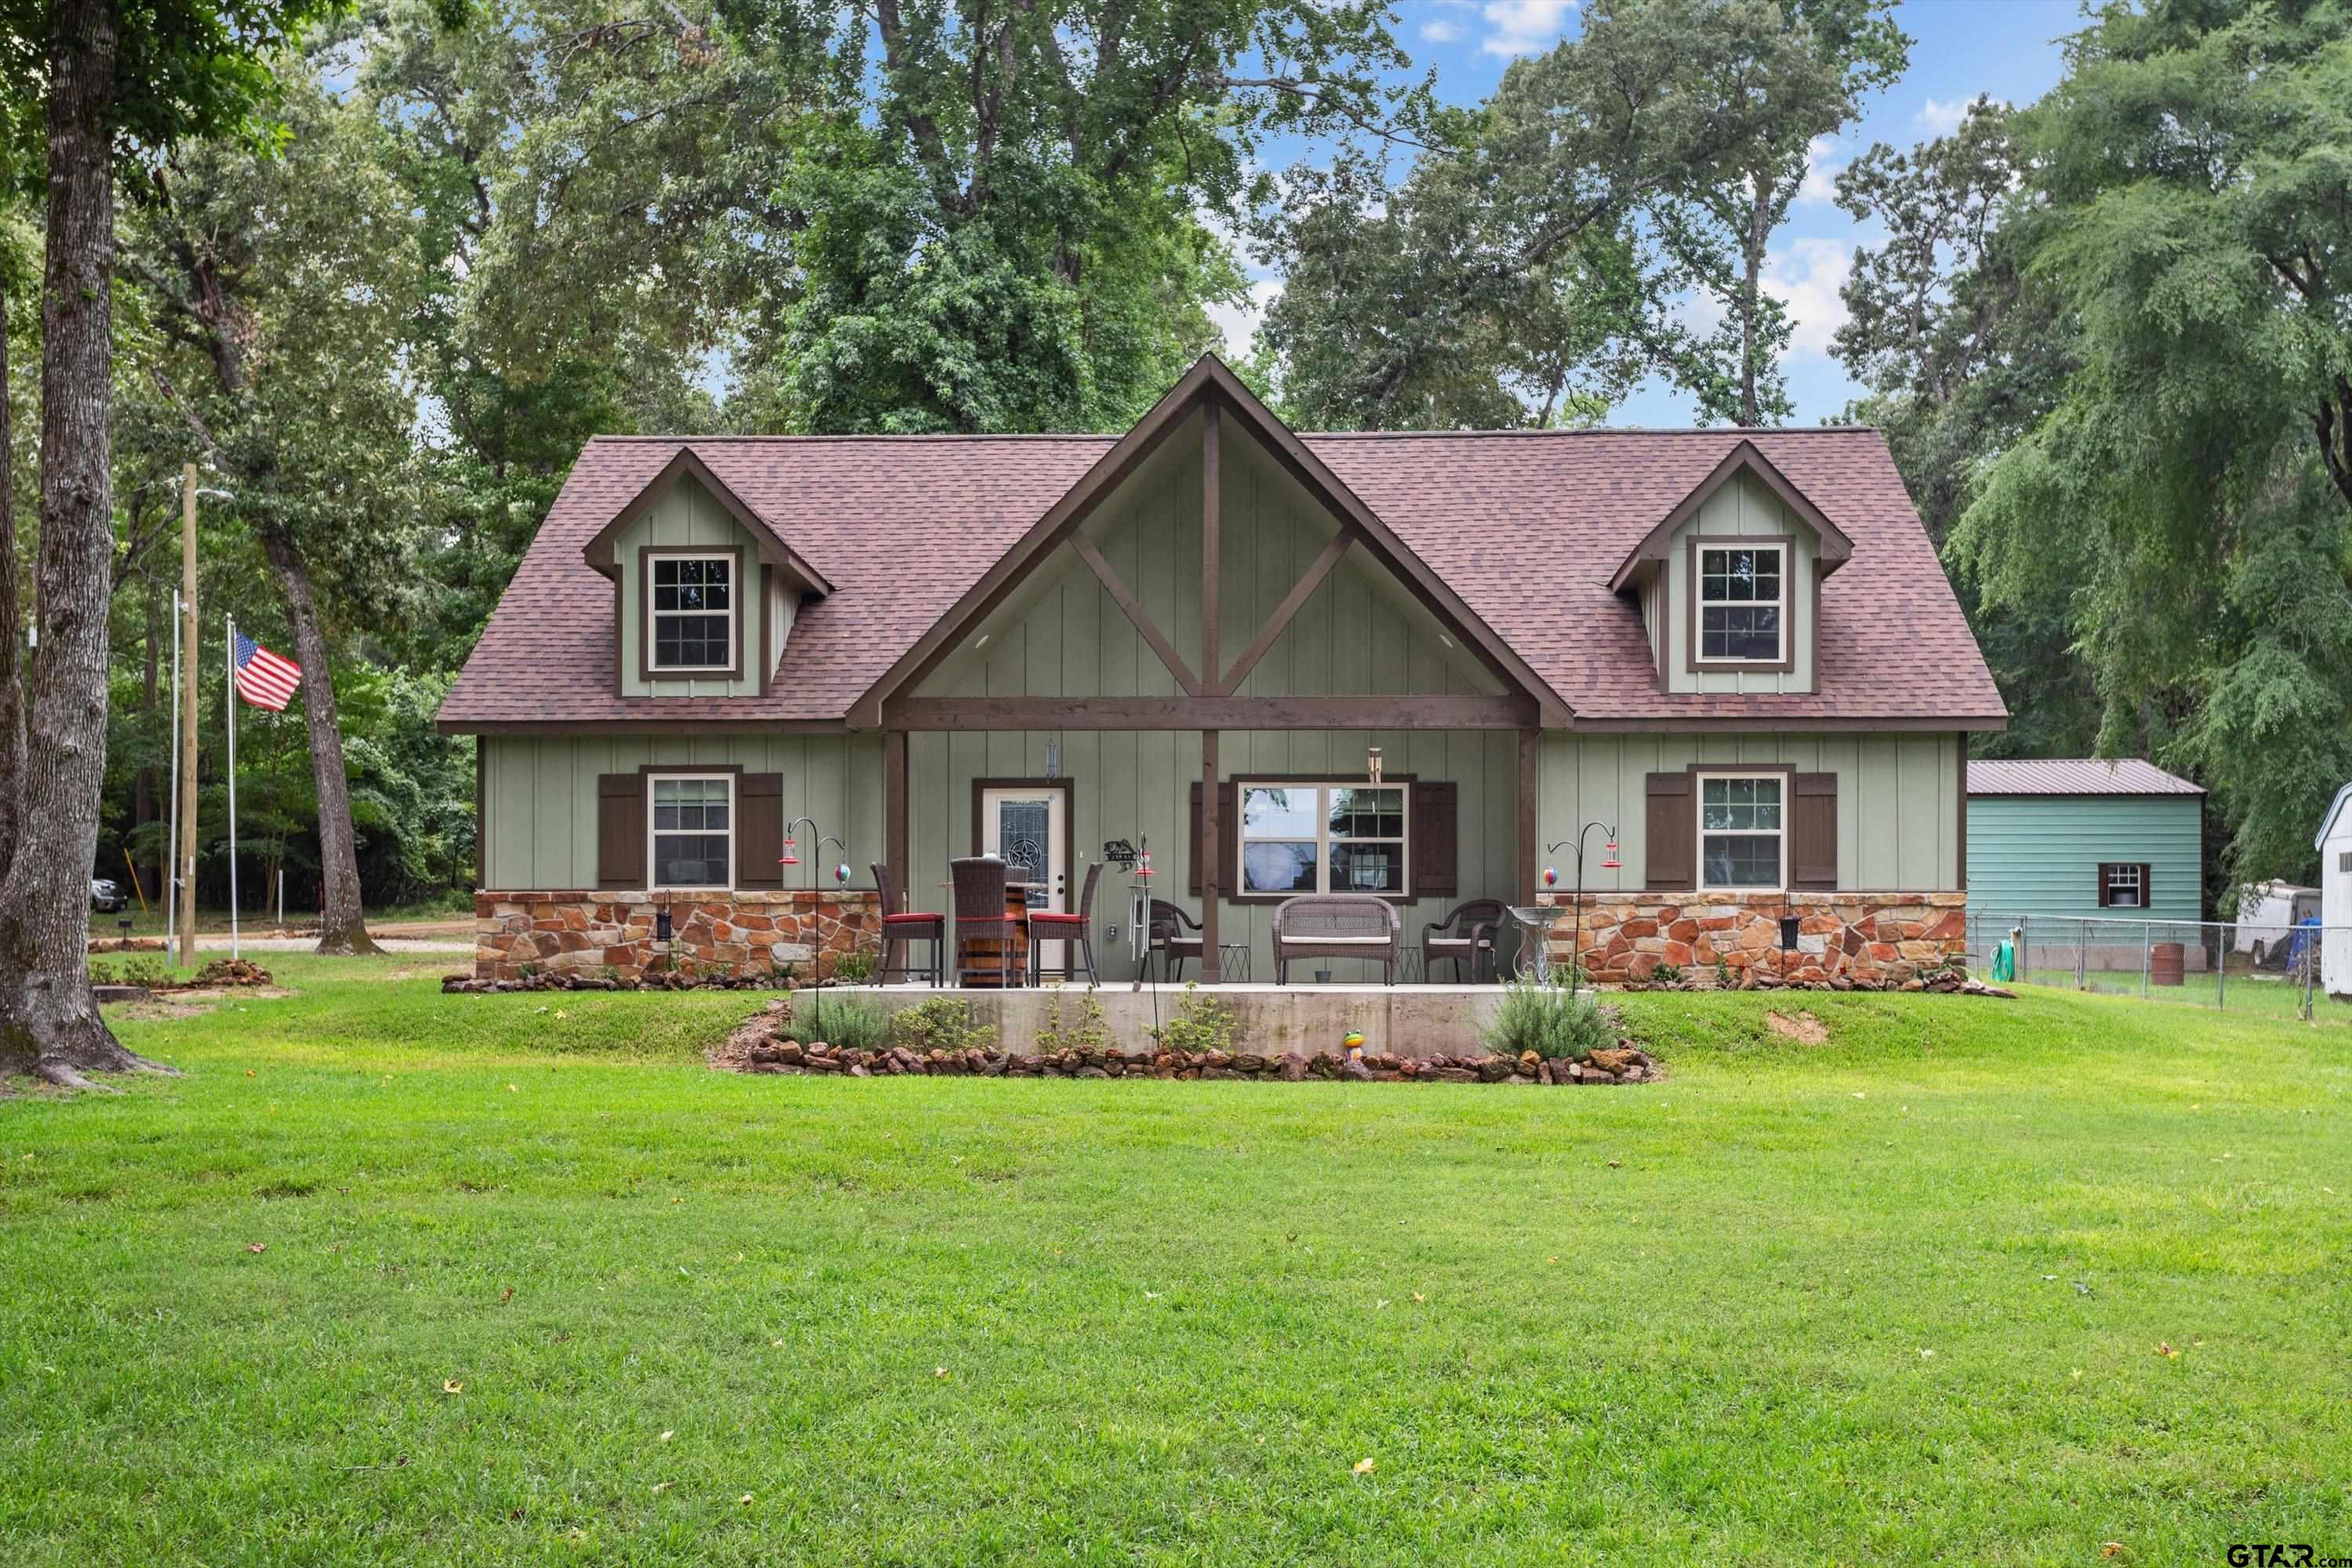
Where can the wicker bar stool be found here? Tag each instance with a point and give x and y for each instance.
(1075, 930)
(903, 928)
(980, 913)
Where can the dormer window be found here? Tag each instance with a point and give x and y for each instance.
(1741, 595)
(692, 601)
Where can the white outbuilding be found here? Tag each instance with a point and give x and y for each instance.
(2334, 843)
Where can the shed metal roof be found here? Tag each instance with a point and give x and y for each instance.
(2075, 775)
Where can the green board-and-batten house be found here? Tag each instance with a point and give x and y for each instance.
(1735, 647)
(2059, 842)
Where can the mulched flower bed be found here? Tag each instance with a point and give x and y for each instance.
(1942, 982)
(757, 1051)
(455, 985)
(126, 944)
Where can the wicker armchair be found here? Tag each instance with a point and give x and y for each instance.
(1077, 931)
(980, 916)
(1466, 934)
(1336, 925)
(1167, 926)
(903, 928)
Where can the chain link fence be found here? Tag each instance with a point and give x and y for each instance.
(2281, 970)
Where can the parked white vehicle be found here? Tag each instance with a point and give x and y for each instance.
(2268, 908)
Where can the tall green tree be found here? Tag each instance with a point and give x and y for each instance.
(1523, 263)
(111, 81)
(1722, 230)
(1964, 355)
(997, 216)
(2185, 206)
(285, 283)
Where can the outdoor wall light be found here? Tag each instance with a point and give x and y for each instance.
(1788, 933)
(661, 925)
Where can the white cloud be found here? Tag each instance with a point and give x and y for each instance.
(1524, 27)
(1239, 320)
(1821, 175)
(1440, 32)
(1804, 275)
(1944, 117)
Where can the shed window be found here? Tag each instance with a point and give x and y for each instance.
(2122, 885)
(693, 834)
(693, 612)
(1741, 840)
(1741, 603)
(1323, 838)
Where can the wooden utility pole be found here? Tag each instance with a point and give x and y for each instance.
(187, 869)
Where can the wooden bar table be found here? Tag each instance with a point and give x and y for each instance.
(985, 964)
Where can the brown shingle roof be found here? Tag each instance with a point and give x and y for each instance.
(2075, 775)
(1526, 526)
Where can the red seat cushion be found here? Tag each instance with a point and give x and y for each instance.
(912, 920)
(1056, 919)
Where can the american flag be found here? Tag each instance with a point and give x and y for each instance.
(263, 679)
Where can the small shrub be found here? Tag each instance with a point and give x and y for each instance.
(101, 972)
(1723, 974)
(1091, 1033)
(1667, 975)
(1550, 1020)
(146, 969)
(854, 966)
(943, 1023)
(1200, 1023)
(847, 1025)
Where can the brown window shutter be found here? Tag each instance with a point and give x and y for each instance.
(1672, 833)
(2146, 887)
(620, 830)
(1435, 849)
(1813, 834)
(2100, 898)
(1193, 845)
(759, 831)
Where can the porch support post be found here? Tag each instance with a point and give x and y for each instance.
(894, 807)
(1212, 861)
(1527, 829)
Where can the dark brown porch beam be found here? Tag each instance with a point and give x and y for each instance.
(1212, 512)
(1514, 712)
(1132, 607)
(1292, 602)
(894, 804)
(1529, 830)
(1212, 859)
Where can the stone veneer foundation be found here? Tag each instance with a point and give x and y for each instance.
(575, 931)
(1881, 939)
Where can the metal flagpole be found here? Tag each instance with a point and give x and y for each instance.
(230, 687)
(172, 880)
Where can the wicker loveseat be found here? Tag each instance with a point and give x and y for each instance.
(1336, 925)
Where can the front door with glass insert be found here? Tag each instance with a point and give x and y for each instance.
(1028, 825)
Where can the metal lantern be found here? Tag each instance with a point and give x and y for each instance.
(661, 925)
(1788, 933)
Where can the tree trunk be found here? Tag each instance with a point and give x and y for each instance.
(50, 1024)
(343, 926)
(1751, 287)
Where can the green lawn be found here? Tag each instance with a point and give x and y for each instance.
(1896, 1298)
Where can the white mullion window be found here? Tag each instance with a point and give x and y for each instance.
(1743, 842)
(1324, 839)
(691, 838)
(692, 623)
(1743, 591)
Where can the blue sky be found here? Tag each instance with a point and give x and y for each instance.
(1962, 47)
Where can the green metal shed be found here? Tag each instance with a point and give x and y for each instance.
(2068, 840)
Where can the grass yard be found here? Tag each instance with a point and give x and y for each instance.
(392, 1276)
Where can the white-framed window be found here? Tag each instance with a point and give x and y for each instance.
(1743, 595)
(692, 838)
(692, 623)
(2122, 885)
(1323, 838)
(1743, 841)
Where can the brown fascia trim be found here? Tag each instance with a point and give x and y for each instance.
(566, 729)
(647, 555)
(1776, 724)
(1835, 547)
(1786, 543)
(598, 551)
